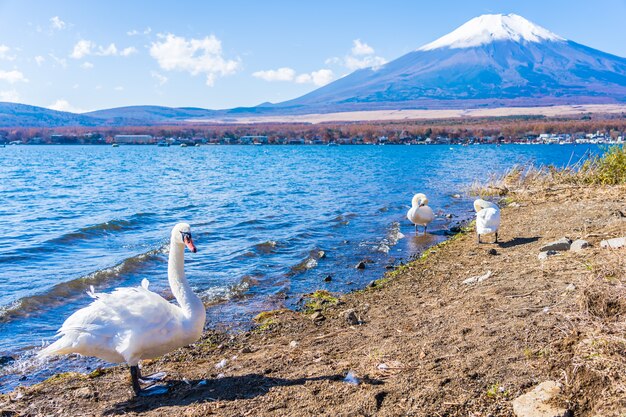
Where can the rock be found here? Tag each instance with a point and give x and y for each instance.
(317, 316)
(351, 317)
(449, 216)
(544, 255)
(84, 393)
(246, 349)
(321, 254)
(5, 360)
(360, 265)
(455, 229)
(456, 195)
(478, 278)
(615, 243)
(578, 245)
(492, 251)
(539, 402)
(293, 344)
(328, 278)
(514, 204)
(383, 366)
(221, 364)
(559, 245)
(371, 284)
(570, 288)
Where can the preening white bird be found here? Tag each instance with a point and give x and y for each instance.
(487, 218)
(420, 214)
(134, 323)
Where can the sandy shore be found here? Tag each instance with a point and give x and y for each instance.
(408, 114)
(420, 341)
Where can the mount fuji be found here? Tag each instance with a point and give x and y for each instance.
(492, 60)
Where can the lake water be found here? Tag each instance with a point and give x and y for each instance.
(75, 216)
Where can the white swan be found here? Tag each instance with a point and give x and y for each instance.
(487, 218)
(420, 214)
(131, 324)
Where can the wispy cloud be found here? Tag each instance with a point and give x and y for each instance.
(39, 60)
(86, 65)
(135, 32)
(318, 78)
(10, 95)
(85, 47)
(128, 51)
(119, 88)
(361, 56)
(12, 77)
(57, 24)
(4, 53)
(194, 56)
(62, 62)
(160, 78)
(63, 105)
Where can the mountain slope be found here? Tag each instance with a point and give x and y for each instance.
(493, 60)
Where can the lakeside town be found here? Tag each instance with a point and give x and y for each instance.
(91, 138)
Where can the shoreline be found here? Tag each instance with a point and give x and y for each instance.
(419, 341)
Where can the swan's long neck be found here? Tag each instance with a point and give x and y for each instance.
(189, 302)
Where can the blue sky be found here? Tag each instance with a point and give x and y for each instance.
(84, 55)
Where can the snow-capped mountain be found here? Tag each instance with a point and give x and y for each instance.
(492, 60)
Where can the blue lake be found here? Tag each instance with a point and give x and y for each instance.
(75, 216)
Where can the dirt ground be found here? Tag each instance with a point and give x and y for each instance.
(425, 343)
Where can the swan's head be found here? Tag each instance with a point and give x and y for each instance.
(181, 234)
(478, 205)
(419, 200)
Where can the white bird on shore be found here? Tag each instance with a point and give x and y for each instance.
(134, 323)
(420, 214)
(487, 218)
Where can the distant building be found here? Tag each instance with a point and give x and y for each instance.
(253, 139)
(134, 139)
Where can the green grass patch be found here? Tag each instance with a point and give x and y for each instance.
(318, 301)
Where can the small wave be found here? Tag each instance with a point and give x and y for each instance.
(309, 262)
(66, 291)
(216, 295)
(265, 247)
(391, 239)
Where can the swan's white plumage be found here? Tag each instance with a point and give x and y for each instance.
(134, 323)
(487, 217)
(420, 214)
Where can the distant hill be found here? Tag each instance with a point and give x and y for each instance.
(491, 61)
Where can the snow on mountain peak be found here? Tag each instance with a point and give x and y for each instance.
(492, 27)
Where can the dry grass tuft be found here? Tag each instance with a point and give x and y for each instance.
(606, 169)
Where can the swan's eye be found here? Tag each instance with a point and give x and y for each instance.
(186, 236)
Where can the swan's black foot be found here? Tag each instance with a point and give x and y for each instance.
(150, 380)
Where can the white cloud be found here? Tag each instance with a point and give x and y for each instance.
(57, 23)
(4, 53)
(133, 32)
(85, 48)
(119, 88)
(128, 51)
(108, 51)
(361, 56)
(12, 77)
(81, 49)
(160, 78)
(195, 56)
(86, 65)
(61, 61)
(75, 86)
(64, 105)
(361, 48)
(319, 78)
(10, 95)
(280, 74)
(39, 60)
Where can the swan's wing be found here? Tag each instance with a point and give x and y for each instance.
(124, 309)
(487, 220)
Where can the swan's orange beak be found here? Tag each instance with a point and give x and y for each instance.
(190, 245)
